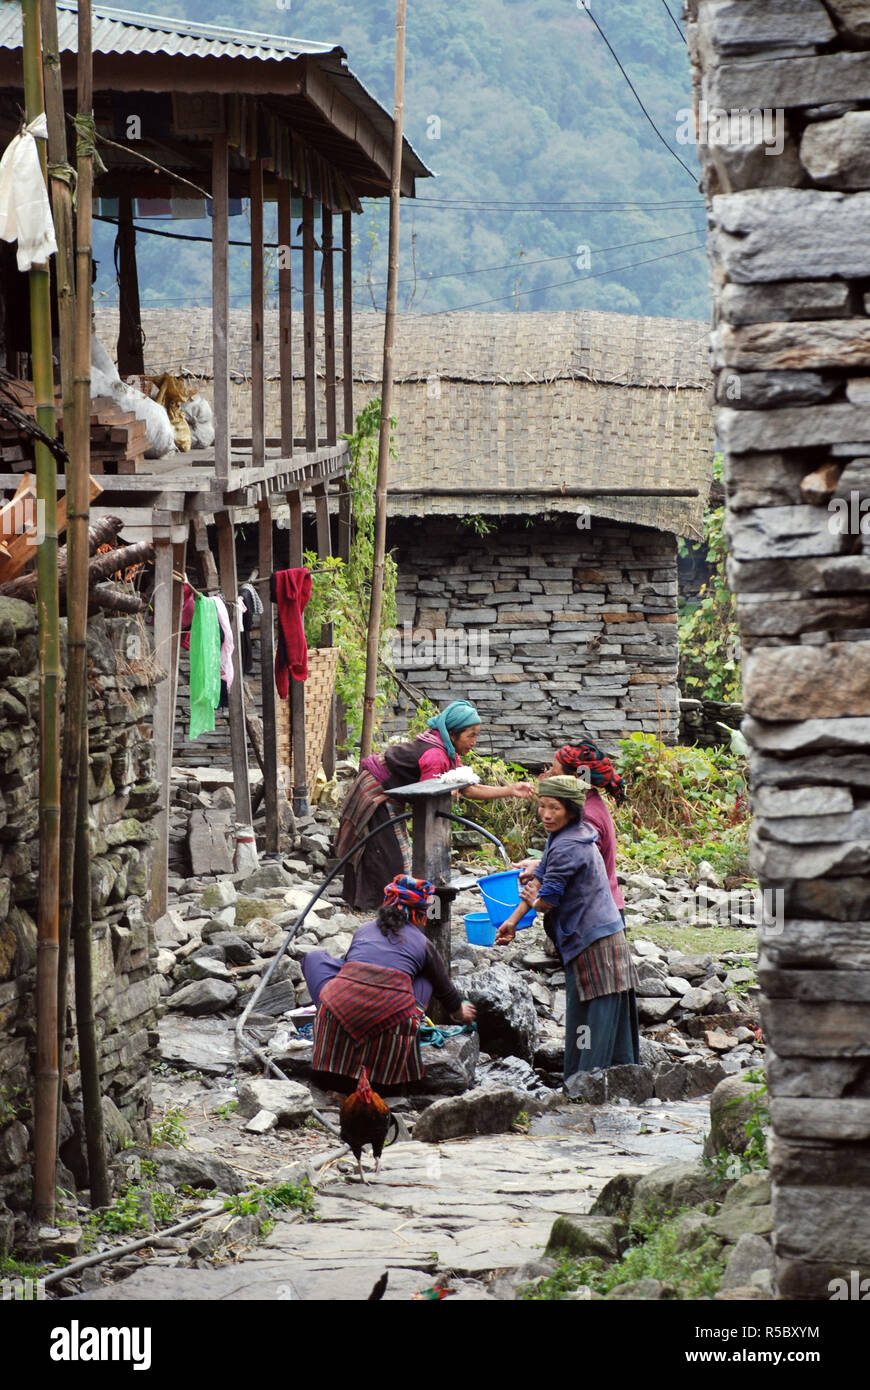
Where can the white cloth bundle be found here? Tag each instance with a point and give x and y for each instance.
(25, 213)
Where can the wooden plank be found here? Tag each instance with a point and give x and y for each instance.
(220, 305)
(267, 667)
(328, 281)
(258, 405)
(235, 697)
(431, 860)
(309, 323)
(285, 319)
(18, 550)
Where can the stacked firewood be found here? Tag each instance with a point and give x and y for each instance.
(118, 439)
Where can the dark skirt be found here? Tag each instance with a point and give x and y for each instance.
(600, 1032)
(366, 876)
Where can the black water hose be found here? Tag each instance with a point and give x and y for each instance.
(473, 825)
(240, 1026)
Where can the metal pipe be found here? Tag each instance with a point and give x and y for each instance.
(240, 1038)
(473, 825)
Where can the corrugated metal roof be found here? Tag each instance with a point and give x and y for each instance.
(124, 31)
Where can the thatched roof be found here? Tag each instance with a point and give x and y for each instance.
(508, 402)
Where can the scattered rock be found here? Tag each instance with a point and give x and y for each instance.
(262, 1122)
(750, 1254)
(450, 1070)
(181, 1168)
(476, 1112)
(506, 1016)
(583, 1236)
(666, 1189)
(204, 997)
(288, 1100)
(731, 1104)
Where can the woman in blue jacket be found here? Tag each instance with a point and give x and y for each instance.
(569, 885)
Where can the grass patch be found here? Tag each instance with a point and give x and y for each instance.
(693, 941)
(276, 1197)
(693, 1273)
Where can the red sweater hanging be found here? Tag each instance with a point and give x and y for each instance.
(291, 590)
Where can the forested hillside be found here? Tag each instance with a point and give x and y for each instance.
(533, 114)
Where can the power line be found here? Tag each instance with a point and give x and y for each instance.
(505, 205)
(693, 177)
(575, 280)
(674, 22)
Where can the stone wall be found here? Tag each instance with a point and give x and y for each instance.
(701, 722)
(123, 800)
(791, 261)
(556, 630)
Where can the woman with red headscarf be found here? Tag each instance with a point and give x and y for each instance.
(369, 1006)
(589, 764)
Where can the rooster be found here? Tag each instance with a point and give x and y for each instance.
(365, 1119)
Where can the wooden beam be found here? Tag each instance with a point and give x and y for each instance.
(130, 358)
(267, 670)
(297, 688)
(166, 72)
(235, 697)
(345, 509)
(328, 281)
(309, 323)
(344, 116)
(220, 305)
(431, 859)
(258, 405)
(324, 550)
(167, 601)
(285, 317)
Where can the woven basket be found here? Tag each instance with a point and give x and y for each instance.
(319, 690)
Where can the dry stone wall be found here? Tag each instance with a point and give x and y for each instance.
(124, 798)
(791, 354)
(549, 630)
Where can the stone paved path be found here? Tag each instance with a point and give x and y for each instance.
(468, 1206)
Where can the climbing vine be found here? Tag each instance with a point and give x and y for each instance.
(709, 637)
(340, 593)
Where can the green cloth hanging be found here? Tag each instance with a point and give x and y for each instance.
(205, 666)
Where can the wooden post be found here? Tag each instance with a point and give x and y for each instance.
(327, 637)
(238, 734)
(345, 508)
(285, 317)
(328, 281)
(130, 358)
(267, 676)
(431, 859)
(168, 595)
(258, 405)
(46, 1078)
(220, 321)
(309, 322)
(380, 536)
(297, 688)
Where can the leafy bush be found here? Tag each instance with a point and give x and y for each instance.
(170, 1130)
(341, 593)
(282, 1196)
(708, 632)
(693, 1273)
(683, 805)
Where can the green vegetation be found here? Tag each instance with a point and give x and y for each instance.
(754, 1157)
(341, 593)
(683, 805)
(276, 1197)
(695, 1273)
(10, 1268)
(709, 636)
(10, 1105)
(228, 1108)
(170, 1131)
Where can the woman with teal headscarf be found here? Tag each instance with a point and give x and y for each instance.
(449, 735)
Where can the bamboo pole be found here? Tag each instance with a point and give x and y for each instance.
(380, 536)
(77, 614)
(45, 1107)
(64, 267)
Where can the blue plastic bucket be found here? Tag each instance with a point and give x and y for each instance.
(501, 894)
(479, 930)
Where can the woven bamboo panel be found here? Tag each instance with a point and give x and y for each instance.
(319, 689)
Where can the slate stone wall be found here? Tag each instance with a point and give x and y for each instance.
(123, 800)
(548, 629)
(791, 345)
